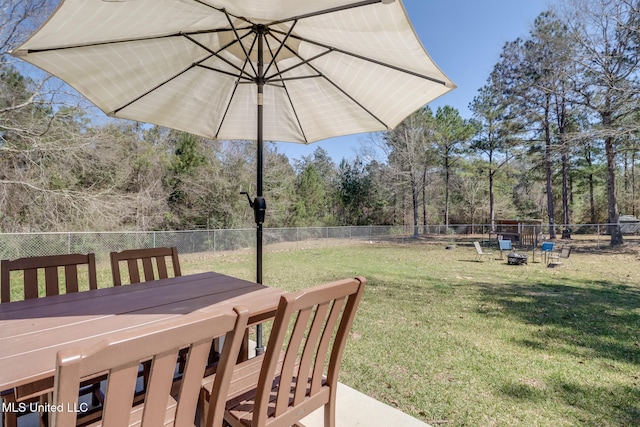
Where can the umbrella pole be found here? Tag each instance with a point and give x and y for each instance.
(260, 171)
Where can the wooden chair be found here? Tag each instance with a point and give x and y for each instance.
(154, 266)
(148, 257)
(120, 356)
(480, 253)
(51, 267)
(281, 387)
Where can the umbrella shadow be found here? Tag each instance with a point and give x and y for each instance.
(607, 403)
(600, 320)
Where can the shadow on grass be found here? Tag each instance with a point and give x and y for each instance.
(597, 320)
(606, 404)
(587, 321)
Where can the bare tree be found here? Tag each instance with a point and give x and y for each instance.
(496, 136)
(606, 33)
(409, 147)
(58, 171)
(535, 75)
(18, 19)
(451, 135)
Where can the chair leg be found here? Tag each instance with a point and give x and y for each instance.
(97, 398)
(203, 408)
(330, 413)
(146, 372)
(9, 418)
(44, 416)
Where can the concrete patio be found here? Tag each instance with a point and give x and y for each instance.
(357, 409)
(353, 409)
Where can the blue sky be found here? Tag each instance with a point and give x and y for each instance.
(465, 38)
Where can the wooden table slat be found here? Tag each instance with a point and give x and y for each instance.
(33, 331)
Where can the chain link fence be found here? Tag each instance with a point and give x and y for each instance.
(17, 245)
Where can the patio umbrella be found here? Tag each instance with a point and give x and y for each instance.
(276, 70)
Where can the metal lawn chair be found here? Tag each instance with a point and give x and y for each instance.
(505, 245)
(481, 253)
(556, 257)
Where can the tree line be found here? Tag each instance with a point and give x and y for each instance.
(553, 135)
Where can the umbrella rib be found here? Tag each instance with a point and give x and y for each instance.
(226, 110)
(353, 99)
(105, 43)
(223, 10)
(299, 64)
(325, 11)
(282, 44)
(229, 73)
(158, 86)
(290, 79)
(244, 49)
(364, 58)
(320, 74)
(233, 93)
(217, 55)
(286, 91)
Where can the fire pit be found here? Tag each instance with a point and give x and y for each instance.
(516, 259)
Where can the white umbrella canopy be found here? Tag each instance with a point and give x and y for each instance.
(342, 66)
(280, 70)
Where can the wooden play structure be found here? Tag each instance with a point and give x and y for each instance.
(523, 232)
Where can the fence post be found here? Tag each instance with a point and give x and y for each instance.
(68, 243)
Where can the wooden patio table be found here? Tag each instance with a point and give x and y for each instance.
(33, 331)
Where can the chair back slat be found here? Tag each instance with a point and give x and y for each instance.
(134, 272)
(325, 345)
(50, 265)
(159, 387)
(31, 283)
(323, 317)
(121, 355)
(5, 281)
(152, 260)
(52, 284)
(118, 396)
(71, 278)
(147, 268)
(287, 375)
(162, 268)
(310, 348)
(191, 382)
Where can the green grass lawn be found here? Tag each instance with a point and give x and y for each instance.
(456, 342)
